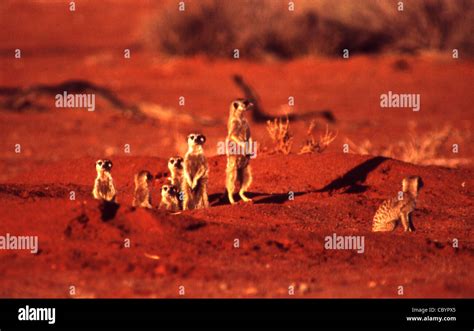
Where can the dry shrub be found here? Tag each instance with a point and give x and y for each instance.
(425, 149)
(266, 28)
(280, 135)
(312, 144)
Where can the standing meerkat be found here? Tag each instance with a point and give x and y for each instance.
(104, 185)
(175, 166)
(195, 174)
(399, 208)
(238, 171)
(169, 198)
(142, 197)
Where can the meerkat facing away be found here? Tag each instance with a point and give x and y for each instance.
(104, 185)
(399, 208)
(195, 174)
(142, 197)
(169, 198)
(238, 171)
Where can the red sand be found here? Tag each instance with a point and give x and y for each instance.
(281, 241)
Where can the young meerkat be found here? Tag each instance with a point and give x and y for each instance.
(399, 208)
(104, 185)
(175, 166)
(195, 174)
(169, 198)
(142, 197)
(238, 171)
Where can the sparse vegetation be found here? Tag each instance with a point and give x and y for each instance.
(313, 144)
(266, 28)
(431, 148)
(278, 129)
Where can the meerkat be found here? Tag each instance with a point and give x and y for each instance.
(175, 166)
(169, 198)
(142, 197)
(238, 171)
(399, 208)
(104, 185)
(195, 174)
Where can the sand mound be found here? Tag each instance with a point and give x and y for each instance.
(254, 249)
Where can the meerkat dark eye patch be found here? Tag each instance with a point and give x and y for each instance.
(201, 139)
(236, 105)
(99, 163)
(246, 103)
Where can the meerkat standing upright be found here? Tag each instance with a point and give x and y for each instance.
(175, 166)
(238, 169)
(104, 185)
(142, 197)
(195, 174)
(390, 211)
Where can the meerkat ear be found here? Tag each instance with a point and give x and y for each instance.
(236, 105)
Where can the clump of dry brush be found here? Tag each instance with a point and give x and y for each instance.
(431, 148)
(282, 139)
(320, 144)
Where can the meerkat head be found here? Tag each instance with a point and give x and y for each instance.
(143, 177)
(168, 190)
(102, 166)
(412, 184)
(239, 106)
(196, 140)
(175, 163)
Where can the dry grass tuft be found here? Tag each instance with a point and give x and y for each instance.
(278, 129)
(430, 148)
(312, 144)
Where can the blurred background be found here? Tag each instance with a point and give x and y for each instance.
(181, 75)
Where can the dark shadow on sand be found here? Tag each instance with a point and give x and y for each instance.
(351, 182)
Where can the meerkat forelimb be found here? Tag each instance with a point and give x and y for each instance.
(238, 170)
(169, 198)
(195, 174)
(399, 208)
(104, 185)
(142, 196)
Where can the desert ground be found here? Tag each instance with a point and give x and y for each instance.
(281, 240)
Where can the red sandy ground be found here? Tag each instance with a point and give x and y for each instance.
(281, 241)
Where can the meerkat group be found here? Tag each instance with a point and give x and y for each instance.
(187, 187)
